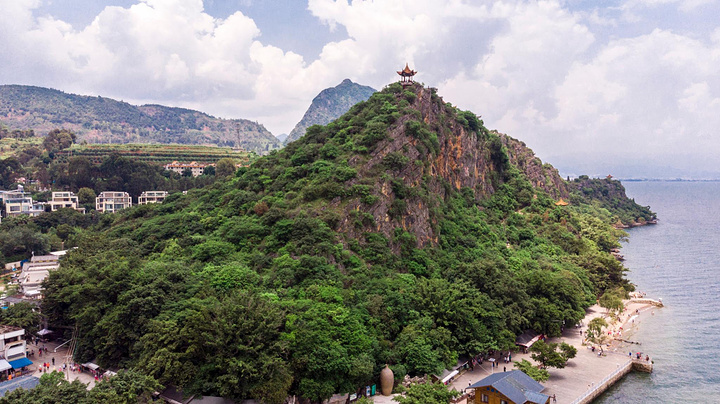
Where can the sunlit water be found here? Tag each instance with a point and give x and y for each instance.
(677, 260)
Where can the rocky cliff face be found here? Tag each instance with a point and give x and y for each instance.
(329, 105)
(543, 176)
(417, 179)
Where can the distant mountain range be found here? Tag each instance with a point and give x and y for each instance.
(329, 105)
(104, 120)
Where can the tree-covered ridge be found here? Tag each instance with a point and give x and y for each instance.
(401, 233)
(103, 120)
(609, 194)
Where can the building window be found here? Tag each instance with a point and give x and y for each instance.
(503, 402)
(484, 398)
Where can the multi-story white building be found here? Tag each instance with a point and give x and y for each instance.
(34, 273)
(16, 194)
(65, 200)
(152, 197)
(195, 167)
(13, 348)
(23, 206)
(111, 201)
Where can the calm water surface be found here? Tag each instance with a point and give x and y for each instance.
(677, 260)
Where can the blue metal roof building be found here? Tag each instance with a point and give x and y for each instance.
(25, 382)
(518, 387)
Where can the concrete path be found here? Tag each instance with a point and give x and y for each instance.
(59, 356)
(584, 371)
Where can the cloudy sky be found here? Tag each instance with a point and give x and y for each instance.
(629, 87)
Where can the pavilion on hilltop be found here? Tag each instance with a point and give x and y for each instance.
(406, 76)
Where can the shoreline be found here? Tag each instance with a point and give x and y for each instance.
(587, 371)
(587, 375)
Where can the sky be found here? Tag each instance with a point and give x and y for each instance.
(623, 87)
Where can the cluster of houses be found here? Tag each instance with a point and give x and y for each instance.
(195, 168)
(19, 202)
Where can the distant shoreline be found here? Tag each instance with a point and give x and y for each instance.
(666, 180)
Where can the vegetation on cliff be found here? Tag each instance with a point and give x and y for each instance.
(404, 232)
(609, 195)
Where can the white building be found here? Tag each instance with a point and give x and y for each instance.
(34, 273)
(16, 194)
(13, 348)
(18, 202)
(152, 197)
(65, 200)
(23, 206)
(195, 167)
(111, 201)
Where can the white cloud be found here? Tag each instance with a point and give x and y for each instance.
(683, 5)
(573, 83)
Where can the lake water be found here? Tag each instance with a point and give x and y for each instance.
(677, 260)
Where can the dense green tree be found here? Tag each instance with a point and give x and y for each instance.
(53, 388)
(23, 241)
(612, 302)
(127, 387)
(547, 354)
(567, 350)
(86, 196)
(24, 315)
(541, 375)
(594, 330)
(425, 348)
(427, 393)
(10, 169)
(225, 167)
(58, 139)
(247, 356)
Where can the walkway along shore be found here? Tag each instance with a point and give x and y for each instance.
(587, 375)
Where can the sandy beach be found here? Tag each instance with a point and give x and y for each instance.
(583, 372)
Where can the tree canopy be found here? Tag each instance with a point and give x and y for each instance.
(427, 393)
(306, 272)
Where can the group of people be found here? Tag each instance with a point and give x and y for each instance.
(599, 350)
(45, 367)
(639, 356)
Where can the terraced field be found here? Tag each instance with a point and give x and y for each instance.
(157, 153)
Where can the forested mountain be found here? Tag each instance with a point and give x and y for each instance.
(403, 232)
(329, 105)
(104, 120)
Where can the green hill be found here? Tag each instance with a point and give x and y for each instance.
(104, 120)
(329, 105)
(403, 232)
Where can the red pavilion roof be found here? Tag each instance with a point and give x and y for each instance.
(406, 71)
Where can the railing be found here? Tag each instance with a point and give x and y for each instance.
(594, 388)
